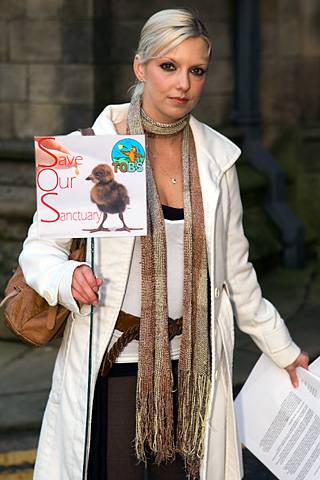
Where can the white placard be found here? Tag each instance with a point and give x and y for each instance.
(91, 186)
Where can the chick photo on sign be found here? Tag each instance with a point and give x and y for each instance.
(91, 186)
(110, 196)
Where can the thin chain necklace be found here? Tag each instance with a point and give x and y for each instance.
(157, 128)
(173, 179)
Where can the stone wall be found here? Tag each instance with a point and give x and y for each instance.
(62, 61)
(290, 64)
(290, 100)
(46, 70)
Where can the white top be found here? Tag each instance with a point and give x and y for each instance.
(132, 299)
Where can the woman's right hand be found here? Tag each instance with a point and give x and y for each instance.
(85, 285)
(43, 158)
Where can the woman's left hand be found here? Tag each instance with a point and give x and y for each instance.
(301, 361)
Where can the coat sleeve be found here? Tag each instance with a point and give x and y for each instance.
(47, 268)
(254, 314)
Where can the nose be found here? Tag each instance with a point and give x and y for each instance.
(183, 81)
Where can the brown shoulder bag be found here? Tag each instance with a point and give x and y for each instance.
(28, 315)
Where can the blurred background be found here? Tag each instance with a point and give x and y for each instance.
(62, 61)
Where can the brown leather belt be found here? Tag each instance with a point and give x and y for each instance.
(129, 325)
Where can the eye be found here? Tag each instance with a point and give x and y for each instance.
(198, 71)
(168, 66)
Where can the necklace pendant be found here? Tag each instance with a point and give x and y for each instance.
(173, 180)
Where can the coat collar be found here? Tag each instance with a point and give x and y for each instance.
(218, 151)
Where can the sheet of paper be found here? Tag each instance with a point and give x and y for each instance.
(91, 186)
(280, 424)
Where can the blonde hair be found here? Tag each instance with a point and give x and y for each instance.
(164, 31)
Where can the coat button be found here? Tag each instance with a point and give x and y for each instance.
(217, 292)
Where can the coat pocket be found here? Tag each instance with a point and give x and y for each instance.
(61, 361)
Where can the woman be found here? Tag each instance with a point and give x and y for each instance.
(192, 267)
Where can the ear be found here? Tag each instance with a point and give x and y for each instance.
(138, 68)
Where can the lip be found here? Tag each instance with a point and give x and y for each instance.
(181, 101)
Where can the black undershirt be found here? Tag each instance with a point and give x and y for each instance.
(171, 213)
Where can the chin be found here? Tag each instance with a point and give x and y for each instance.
(178, 111)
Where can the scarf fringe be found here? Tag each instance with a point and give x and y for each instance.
(154, 423)
(193, 397)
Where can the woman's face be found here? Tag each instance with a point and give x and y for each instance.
(173, 83)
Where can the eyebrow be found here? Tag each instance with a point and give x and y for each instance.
(200, 64)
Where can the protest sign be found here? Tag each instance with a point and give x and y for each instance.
(91, 186)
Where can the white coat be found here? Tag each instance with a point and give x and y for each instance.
(235, 292)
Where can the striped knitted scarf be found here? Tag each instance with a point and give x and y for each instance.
(154, 405)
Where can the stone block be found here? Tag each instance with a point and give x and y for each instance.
(17, 202)
(12, 9)
(81, 8)
(269, 39)
(280, 89)
(17, 173)
(6, 120)
(125, 37)
(290, 38)
(215, 110)
(40, 9)
(268, 88)
(103, 9)
(310, 109)
(290, 9)
(35, 41)
(220, 77)
(103, 40)
(289, 89)
(105, 80)
(37, 119)
(77, 42)
(13, 82)
(311, 31)
(217, 10)
(77, 116)
(221, 37)
(269, 10)
(3, 41)
(61, 84)
(309, 77)
(125, 78)
(9, 253)
(13, 231)
(75, 9)
(122, 9)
